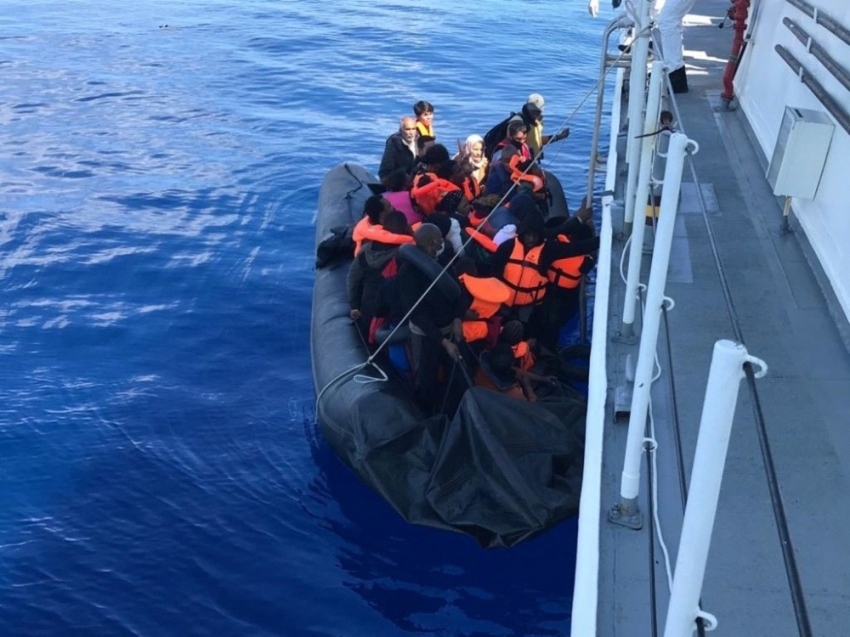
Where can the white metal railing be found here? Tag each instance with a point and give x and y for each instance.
(637, 93)
(586, 588)
(715, 429)
(626, 512)
(647, 146)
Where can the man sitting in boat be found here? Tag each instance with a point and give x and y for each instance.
(516, 263)
(513, 163)
(432, 179)
(369, 228)
(435, 322)
(496, 372)
(374, 265)
(565, 258)
(401, 150)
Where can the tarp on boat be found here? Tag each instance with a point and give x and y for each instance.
(499, 470)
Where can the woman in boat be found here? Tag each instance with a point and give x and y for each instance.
(471, 157)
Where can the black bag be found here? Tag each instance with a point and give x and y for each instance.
(496, 135)
(336, 247)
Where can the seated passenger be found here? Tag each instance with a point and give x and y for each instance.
(401, 150)
(471, 157)
(398, 194)
(516, 262)
(513, 334)
(424, 112)
(369, 228)
(496, 372)
(518, 158)
(435, 322)
(566, 257)
(431, 181)
(373, 265)
(481, 322)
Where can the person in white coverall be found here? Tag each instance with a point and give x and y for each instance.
(670, 15)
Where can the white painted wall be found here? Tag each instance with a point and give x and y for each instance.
(765, 85)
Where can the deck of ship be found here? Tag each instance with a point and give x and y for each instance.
(734, 275)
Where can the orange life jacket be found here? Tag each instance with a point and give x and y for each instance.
(527, 285)
(523, 355)
(471, 188)
(482, 239)
(516, 174)
(429, 196)
(482, 379)
(566, 272)
(488, 294)
(366, 231)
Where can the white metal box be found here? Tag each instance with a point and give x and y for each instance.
(800, 153)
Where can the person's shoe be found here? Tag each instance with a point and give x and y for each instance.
(679, 80)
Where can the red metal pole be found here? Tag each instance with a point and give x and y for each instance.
(738, 12)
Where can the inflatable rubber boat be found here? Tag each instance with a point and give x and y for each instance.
(500, 470)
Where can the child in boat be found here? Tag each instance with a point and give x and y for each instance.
(424, 112)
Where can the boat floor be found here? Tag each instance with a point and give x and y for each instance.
(781, 309)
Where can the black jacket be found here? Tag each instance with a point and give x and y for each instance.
(396, 155)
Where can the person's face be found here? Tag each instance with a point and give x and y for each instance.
(427, 118)
(520, 137)
(408, 130)
(477, 151)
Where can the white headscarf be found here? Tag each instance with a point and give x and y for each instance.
(467, 150)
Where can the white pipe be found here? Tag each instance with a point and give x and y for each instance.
(637, 95)
(718, 410)
(586, 589)
(650, 125)
(629, 486)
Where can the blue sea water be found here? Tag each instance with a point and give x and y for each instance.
(161, 472)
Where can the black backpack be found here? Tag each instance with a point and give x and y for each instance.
(496, 135)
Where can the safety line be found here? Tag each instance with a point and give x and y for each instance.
(797, 596)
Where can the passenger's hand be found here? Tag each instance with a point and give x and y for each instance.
(562, 134)
(593, 8)
(457, 330)
(585, 212)
(451, 349)
(355, 314)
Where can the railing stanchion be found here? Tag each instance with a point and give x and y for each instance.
(626, 512)
(718, 410)
(627, 329)
(637, 95)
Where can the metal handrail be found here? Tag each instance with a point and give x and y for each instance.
(823, 19)
(620, 22)
(812, 46)
(815, 87)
